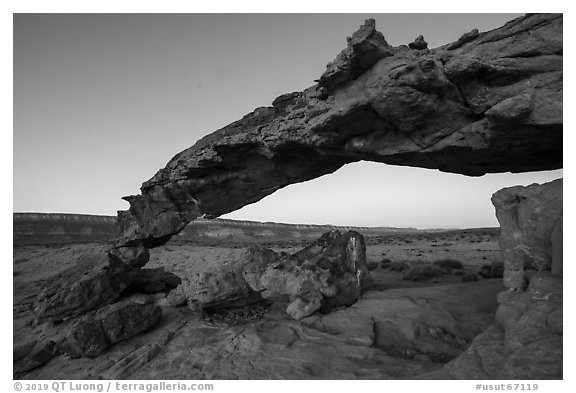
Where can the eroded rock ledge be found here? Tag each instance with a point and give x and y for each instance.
(489, 102)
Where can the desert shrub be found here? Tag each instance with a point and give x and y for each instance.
(469, 277)
(484, 271)
(371, 265)
(459, 273)
(399, 266)
(385, 263)
(423, 273)
(497, 269)
(448, 264)
(494, 270)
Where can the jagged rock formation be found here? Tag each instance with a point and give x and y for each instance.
(490, 102)
(419, 43)
(329, 272)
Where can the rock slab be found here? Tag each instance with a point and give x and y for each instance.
(95, 332)
(95, 280)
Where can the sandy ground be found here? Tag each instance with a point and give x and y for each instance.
(464, 308)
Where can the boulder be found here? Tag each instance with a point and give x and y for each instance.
(95, 280)
(328, 273)
(220, 287)
(129, 317)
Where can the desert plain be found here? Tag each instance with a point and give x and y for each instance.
(404, 325)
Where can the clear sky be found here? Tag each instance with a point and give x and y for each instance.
(102, 101)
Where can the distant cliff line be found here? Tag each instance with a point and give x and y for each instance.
(61, 228)
(200, 221)
(63, 217)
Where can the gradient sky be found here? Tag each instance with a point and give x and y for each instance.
(102, 101)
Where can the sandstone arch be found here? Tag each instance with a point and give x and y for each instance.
(487, 103)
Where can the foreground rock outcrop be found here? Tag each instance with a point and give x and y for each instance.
(94, 333)
(95, 280)
(91, 334)
(531, 231)
(526, 340)
(328, 273)
(93, 304)
(490, 102)
(392, 334)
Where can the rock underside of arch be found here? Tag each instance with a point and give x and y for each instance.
(489, 102)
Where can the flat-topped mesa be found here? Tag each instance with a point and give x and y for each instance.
(491, 102)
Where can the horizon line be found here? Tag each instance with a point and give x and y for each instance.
(274, 222)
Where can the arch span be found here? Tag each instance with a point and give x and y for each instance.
(487, 103)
